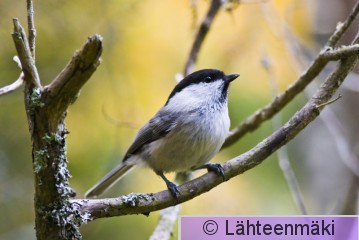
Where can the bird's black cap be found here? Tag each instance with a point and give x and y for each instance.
(204, 75)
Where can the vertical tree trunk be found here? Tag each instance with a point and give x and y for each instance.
(46, 108)
(56, 218)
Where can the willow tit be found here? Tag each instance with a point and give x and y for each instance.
(184, 134)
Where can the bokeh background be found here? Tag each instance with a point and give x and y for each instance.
(146, 43)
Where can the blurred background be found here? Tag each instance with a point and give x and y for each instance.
(146, 43)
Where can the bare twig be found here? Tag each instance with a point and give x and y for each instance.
(23, 50)
(31, 27)
(164, 228)
(340, 53)
(343, 27)
(145, 203)
(340, 137)
(194, 12)
(201, 34)
(15, 85)
(329, 118)
(64, 89)
(283, 158)
(12, 87)
(255, 120)
(329, 102)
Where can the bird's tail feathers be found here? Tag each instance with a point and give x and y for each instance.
(109, 180)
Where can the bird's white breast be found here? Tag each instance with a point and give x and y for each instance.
(197, 136)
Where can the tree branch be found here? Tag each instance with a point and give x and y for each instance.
(64, 90)
(146, 203)
(343, 27)
(15, 85)
(55, 216)
(167, 220)
(23, 50)
(282, 153)
(31, 27)
(255, 120)
(12, 87)
(340, 53)
(201, 34)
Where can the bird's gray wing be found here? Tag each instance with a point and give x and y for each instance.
(158, 126)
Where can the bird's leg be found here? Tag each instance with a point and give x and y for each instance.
(213, 167)
(170, 185)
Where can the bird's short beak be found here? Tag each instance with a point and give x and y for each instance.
(230, 77)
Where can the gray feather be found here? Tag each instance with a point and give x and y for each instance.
(109, 180)
(157, 127)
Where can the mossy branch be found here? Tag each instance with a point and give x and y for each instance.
(56, 217)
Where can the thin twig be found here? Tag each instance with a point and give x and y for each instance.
(282, 153)
(340, 137)
(255, 120)
(340, 53)
(329, 102)
(167, 220)
(329, 118)
(23, 51)
(64, 89)
(12, 87)
(15, 85)
(201, 34)
(31, 27)
(343, 27)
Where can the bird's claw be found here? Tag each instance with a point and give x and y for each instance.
(173, 189)
(217, 168)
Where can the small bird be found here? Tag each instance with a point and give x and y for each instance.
(184, 134)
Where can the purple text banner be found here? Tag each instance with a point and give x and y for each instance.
(269, 228)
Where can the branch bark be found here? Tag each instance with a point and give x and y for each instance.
(24, 53)
(64, 89)
(340, 53)
(12, 87)
(167, 220)
(55, 216)
(201, 35)
(282, 153)
(255, 120)
(343, 27)
(31, 26)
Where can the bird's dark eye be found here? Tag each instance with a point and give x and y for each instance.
(208, 79)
